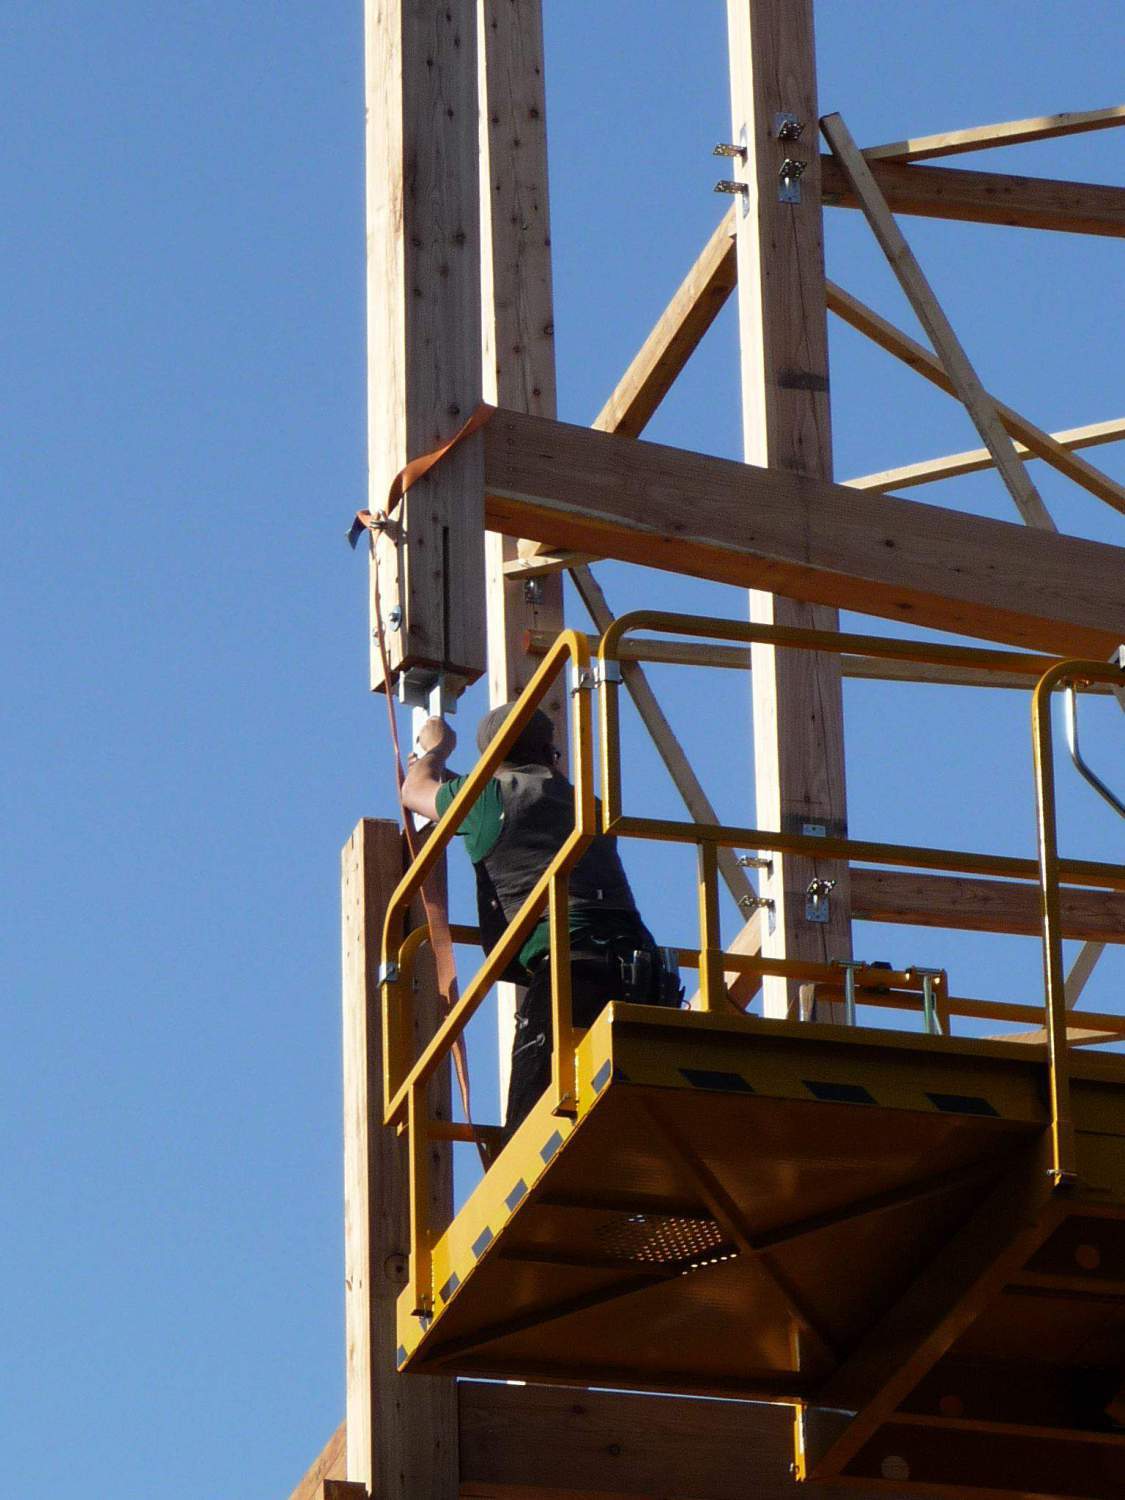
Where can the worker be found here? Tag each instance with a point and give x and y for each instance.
(512, 832)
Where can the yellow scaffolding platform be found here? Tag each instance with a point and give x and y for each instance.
(917, 1241)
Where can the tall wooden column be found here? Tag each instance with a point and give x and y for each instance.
(518, 340)
(798, 708)
(423, 327)
(401, 1430)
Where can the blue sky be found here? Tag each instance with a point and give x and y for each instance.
(189, 735)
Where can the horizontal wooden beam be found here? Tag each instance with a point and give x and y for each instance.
(986, 197)
(738, 658)
(987, 137)
(976, 905)
(977, 460)
(533, 1442)
(808, 538)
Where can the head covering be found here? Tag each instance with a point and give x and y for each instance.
(537, 736)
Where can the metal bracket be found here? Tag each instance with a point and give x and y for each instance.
(741, 152)
(816, 900)
(594, 676)
(755, 903)
(723, 149)
(789, 176)
(436, 692)
(850, 967)
(388, 973)
(930, 1021)
(814, 830)
(787, 126)
(733, 188)
(533, 592)
(755, 862)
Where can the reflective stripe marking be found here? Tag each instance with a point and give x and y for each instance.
(839, 1093)
(963, 1104)
(517, 1195)
(400, 1357)
(602, 1076)
(729, 1083)
(450, 1287)
(482, 1242)
(551, 1147)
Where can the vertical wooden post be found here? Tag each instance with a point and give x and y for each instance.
(423, 327)
(401, 1430)
(518, 340)
(798, 704)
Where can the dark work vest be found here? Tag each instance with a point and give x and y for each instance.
(537, 818)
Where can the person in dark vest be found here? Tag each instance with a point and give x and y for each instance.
(512, 832)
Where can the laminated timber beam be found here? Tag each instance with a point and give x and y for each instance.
(988, 137)
(424, 328)
(985, 197)
(541, 1442)
(401, 1434)
(798, 718)
(736, 523)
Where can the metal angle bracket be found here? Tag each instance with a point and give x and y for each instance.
(387, 974)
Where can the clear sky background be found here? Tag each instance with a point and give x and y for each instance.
(188, 733)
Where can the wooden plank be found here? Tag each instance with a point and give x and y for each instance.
(550, 1443)
(423, 326)
(519, 348)
(975, 905)
(786, 420)
(995, 580)
(331, 1463)
(930, 314)
(922, 360)
(976, 460)
(986, 198)
(401, 1434)
(987, 137)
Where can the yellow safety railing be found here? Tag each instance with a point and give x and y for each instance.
(1044, 673)
(1052, 870)
(405, 1082)
(406, 1079)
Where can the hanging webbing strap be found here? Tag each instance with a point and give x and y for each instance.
(433, 898)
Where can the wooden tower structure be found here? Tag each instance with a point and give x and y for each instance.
(1017, 1152)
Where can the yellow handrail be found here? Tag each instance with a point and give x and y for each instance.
(1051, 868)
(400, 1078)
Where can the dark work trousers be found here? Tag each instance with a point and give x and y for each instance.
(594, 983)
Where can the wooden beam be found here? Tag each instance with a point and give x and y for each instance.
(331, 1463)
(976, 460)
(976, 905)
(950, 351)
(798, 713)
(423, 326)
(987, 137)
(401, 1433)
(877, 328)
(641, 502)
(534, 1442)
(986, 197)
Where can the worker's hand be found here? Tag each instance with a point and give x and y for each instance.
(436, 734)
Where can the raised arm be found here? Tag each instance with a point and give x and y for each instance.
(426, 772)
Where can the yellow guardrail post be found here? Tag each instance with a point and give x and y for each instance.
(1054, 972)
(563, 1078)
(421, 1225)
(712, 987)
